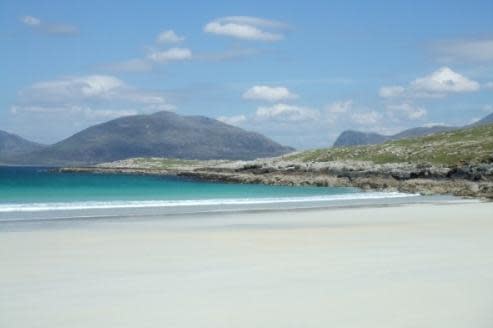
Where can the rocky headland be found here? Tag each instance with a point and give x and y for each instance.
(466, 180)
(457, 163)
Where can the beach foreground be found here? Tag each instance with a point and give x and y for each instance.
(420, 265)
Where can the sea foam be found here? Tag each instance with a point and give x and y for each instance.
(82, 205)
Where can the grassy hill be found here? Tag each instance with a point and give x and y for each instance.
(359, 138)
(468, 145)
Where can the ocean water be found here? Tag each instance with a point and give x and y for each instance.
(43, 193)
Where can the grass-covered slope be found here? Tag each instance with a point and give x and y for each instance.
(468, 145)
(358, 138)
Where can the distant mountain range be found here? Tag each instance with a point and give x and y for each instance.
(166, 134)
(13, 145)
(485, 120)
(355, 138)
(162, 134)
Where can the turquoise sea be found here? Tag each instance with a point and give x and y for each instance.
(36, 192)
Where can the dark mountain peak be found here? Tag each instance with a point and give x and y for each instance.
(352, 137)
(161, 134)
(13, 145)
(356, 138)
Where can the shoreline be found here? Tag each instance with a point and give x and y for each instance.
(466, 181)
(125, 213)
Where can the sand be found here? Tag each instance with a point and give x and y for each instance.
(420, 265)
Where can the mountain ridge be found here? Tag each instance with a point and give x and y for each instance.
(458, 162)
(161, 134)
(360, 138)
(13, 145)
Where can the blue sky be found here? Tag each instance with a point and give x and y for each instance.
(298, 72)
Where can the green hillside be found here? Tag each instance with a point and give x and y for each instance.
(470, 145)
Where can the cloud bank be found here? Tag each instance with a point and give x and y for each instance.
(169, 36)
(57, 29)
(437, 84)
(480, 50)
(247, 28)
(63, 106)
(173, 54)
(269, 93)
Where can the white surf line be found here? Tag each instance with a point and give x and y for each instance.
(59, 206)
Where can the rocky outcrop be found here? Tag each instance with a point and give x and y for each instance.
(465, 180)
(458, 162)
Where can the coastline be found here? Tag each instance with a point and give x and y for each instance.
(156, 209)
(389, 266)
(474, 181)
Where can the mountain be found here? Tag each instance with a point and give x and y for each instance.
(473, 145)
(162, 134)
(485, 120)
(421, 132)
(13, 145)
(353, 138)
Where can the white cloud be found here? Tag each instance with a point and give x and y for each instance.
(444, 80)
(89, 91)
(30, 20)
(139, 65)
(173, 54)
(391, 91)
(285, 112)
(169, 36)
(87, 112)
(366, 118)
(60, 107)
(269, 93)
(339, 107)
(73, 88)
(349, 115)
(255, 21)
(246, 28)
(408, 110)
(437, 84)
(61, 29)
(233, 120)
(241, 31)
(468, 50)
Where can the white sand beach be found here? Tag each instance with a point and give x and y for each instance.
(420, 265)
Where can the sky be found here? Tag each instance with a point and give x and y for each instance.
(299, 72)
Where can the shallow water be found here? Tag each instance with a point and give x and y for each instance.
(43, 193)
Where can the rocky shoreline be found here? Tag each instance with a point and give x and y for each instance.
(465, 180)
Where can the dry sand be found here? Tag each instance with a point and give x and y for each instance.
(402, 266)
